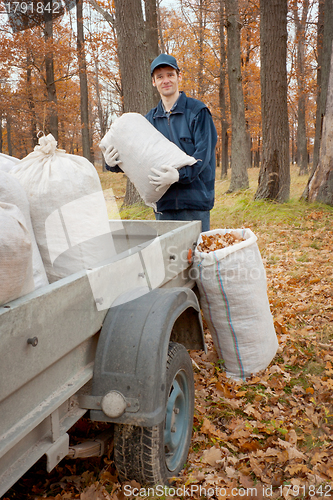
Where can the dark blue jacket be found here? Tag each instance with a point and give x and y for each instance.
(190, 126)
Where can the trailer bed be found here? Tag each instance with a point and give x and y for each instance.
(39, 385)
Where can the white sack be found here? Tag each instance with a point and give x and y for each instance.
(141, 147)
(67, 207)
(233, 296)
(7, 162)
(12, 192)
(16, 277)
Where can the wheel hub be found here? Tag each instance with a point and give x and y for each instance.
(176, 421)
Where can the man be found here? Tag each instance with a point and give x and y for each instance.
(188, 123)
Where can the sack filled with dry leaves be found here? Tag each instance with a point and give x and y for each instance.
(12, 192)
(67, 207)
(141, 146)
(233, 294)
(16, 277)
(7, 162)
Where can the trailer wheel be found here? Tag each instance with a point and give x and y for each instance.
(152, 455)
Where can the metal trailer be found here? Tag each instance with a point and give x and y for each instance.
(110, 343)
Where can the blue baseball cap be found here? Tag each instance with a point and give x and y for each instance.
(163, 60)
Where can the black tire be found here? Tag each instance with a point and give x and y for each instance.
(153, 455)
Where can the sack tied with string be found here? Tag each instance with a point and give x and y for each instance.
(68, 210)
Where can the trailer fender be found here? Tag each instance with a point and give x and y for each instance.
(130, 365)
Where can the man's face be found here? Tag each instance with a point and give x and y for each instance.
(166, 80)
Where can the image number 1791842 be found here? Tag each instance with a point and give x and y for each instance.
(23, 15)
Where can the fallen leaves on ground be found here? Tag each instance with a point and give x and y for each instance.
(276, 428)
(270, 436)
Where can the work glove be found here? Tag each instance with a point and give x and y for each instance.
(110, 156)
(164, 179)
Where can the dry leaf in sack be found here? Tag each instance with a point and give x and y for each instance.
(218, 241)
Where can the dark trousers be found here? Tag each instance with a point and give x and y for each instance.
(203, 215)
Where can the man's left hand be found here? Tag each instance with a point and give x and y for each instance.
(164, 179)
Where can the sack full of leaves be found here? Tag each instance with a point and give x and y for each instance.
(7, 162)
(67, 208)
(16, 278)
(12, 192)
(141, 146)
(233, 294)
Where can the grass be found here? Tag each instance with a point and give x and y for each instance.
(239, 209)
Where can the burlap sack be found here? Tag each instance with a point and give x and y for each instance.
(12, 192)
(233, 297)
(141, 147)
(7, 162)
(67, 207)
(16, 277)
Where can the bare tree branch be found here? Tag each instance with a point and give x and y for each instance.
(109, 18)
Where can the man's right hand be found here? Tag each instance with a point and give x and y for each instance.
(110, 156)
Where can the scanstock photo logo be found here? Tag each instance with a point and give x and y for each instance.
(199, 491)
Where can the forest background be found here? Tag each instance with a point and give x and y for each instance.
(263, 71)
(73, 75)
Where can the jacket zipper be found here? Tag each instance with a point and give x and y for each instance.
(171, 135)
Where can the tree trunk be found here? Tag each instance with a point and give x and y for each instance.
(201, 34)
(9, 135)
(251, 152)
(151, 29)
(91, 133)
(225, 146)
(240, 153)
(292, 135)
(257, 154)
(245, 77)
(101, 118)
(324, 44)
(222, 99)
(31, 103)
(86, 151)
(162, 48)
(133, 57)
(134, 67)
(274, 175)
(51, 125)
(321, 183)
(302, 150)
